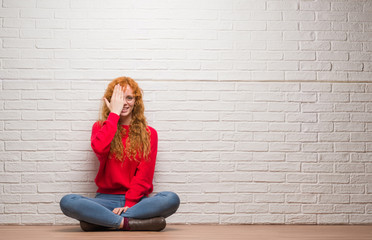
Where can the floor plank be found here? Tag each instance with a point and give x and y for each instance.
(209, 232)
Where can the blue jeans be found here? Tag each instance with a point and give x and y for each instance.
(98, 210)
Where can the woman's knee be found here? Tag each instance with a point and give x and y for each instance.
(67, 201)
(172, 200)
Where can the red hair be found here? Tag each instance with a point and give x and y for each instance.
(138, 142)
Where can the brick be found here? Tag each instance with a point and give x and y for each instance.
(298, 35)
(317, 127)
(349, 107)
(301, 219)
(252, 208)
(284, 147)
(331, 76)
(200, 178)
(360, 219)
(334, 137)
(360, 97)
(352, 208)
(315, 46)
(219, 188)
(334, 117)
(268, 157)
(298, 15)
(236, 219)
(10, 218)
(284, 188)
(318, 188)
(301, 137)
(318, 147)
(360, 157)
(284, 127)
(10, 178)
(11, 135)
(315, 26)
(37, 115)
(250, 25)
(252, 146)
(10, 115)
(49, 208)
(269, 198)
(337, 17)
(252, 107)
(19, 4)
(20, 146)
(53, 188)
(282, 45)
(301, 178)
(280, 209)
(346, 147)
(301, 97)
(349, 189)
(299, 55)
(322, 6)
(317, 168)
(360, 198)
(270, 117)
(37, 178)
(269, 177)
(38, 156)
(319, 208)
(268, 137)
(37, 219)
(315, 66)
(333, 178)
(340, 46)
(349, 127)
(10, 156)
(333, 219)
(20, 167)
(264, 219)
(334, 199)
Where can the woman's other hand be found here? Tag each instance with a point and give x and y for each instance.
(118, 211)
(117, 100)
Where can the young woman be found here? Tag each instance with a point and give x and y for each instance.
(126, 149)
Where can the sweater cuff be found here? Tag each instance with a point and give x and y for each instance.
(113, 117)
(129, 203)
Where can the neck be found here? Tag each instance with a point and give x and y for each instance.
(125, 120)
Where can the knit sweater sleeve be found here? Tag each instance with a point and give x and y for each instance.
(103, 133)
(141, 184)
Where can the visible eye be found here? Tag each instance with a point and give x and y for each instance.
(130, 98)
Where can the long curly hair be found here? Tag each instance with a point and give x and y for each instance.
(138, 143)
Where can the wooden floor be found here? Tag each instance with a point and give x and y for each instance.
(208, 232)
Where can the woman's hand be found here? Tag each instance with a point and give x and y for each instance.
(120, 210)
(117, 100)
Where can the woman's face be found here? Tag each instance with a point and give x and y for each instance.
(129, 101)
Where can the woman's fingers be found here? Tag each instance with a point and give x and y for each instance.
(120, 92)
(119, 211)
(107, 103)
(116, 103)
(115, 93)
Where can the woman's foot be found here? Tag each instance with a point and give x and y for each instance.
(151, 224)
(90, 227)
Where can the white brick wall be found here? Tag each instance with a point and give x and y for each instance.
(263, 108)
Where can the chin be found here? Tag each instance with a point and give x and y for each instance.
(127, 114)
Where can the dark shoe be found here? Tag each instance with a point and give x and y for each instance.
(151, 224)
(90, 227)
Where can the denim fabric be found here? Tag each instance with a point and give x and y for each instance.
(98, 210)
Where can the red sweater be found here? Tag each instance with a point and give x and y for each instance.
(134, 179)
